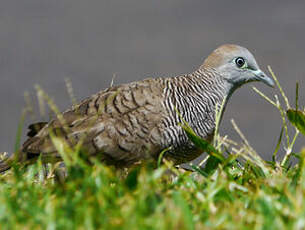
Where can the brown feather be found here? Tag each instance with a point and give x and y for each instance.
(35, 128)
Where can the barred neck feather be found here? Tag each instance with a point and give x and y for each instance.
(195, 97)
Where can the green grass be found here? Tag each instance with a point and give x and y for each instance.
(234, 189)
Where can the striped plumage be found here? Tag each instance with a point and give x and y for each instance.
(132, 122)
(195, 96)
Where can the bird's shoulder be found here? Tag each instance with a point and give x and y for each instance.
(122, 99)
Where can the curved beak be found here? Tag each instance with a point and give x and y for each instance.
(261, 76)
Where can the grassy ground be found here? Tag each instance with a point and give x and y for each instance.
(234, 189)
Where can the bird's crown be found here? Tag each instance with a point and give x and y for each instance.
(224, 54)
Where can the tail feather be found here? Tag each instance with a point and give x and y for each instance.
(4, 166)
(5, 162)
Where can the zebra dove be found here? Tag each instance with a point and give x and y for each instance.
(134, 122)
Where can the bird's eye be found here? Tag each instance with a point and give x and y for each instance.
(240, 62)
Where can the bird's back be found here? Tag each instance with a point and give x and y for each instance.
(120, 125)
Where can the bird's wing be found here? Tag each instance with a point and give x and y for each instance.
(123, 122)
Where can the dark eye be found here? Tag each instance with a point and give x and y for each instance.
(240, 62)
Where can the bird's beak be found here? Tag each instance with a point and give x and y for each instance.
(261, 76)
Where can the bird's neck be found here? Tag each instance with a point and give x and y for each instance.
(197, 97)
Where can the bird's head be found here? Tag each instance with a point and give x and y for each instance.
(236, 65)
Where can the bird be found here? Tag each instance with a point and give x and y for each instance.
(134, 122)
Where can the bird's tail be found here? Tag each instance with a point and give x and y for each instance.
(6, 161)
(4, 166)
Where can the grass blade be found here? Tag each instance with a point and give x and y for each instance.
(278, 145)
(297, 118)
